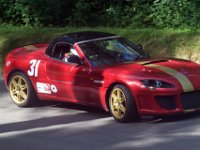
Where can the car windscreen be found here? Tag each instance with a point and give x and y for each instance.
(111, 51)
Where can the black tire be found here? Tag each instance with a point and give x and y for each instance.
(130, 114)
(31, 98)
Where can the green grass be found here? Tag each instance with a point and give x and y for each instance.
(158, 43)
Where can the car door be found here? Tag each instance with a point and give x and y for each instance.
(69, 81)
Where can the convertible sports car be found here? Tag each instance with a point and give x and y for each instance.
(102, 70)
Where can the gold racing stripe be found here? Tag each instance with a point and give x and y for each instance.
(183, 80)
(143, 62)
(30, 47)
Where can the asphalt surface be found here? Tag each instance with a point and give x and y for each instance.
(58, 126)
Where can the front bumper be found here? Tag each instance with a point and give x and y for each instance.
(167, 102)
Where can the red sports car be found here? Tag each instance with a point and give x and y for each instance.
(103, 70)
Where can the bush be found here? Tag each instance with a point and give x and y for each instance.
(179, 13)
(117, 13)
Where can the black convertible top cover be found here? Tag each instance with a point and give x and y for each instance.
(75, 37)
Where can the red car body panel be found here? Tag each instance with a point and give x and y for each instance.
(89, 85)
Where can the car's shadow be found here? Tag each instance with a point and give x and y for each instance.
(71, 106)
(100, 112)
(171, 118)
(179, 117)
(3, 89)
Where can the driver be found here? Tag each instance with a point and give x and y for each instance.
(70, 53)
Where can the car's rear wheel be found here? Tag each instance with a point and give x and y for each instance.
(122, 104)
(21, 90)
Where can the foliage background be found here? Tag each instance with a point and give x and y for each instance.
(115, 13)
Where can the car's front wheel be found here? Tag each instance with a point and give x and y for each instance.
(122, 104)
(21, 90)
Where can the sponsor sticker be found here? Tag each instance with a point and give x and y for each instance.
(54, 89)
(8, 63)
(43, 88)
(46, 88)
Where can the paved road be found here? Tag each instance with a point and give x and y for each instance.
(70, 127)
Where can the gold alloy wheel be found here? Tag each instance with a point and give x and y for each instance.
(18, 89)
(118, 103)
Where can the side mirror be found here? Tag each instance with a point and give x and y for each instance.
(75, 59)
(140, 47)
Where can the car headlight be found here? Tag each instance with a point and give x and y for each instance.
(154, 84)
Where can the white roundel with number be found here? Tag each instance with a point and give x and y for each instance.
(54, 89)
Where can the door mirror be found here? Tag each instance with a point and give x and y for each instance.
(140, 47)
(75, 59)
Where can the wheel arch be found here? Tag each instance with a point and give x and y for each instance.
(110, 87)
(11, 73)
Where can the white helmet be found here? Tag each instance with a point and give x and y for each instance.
(73, 51)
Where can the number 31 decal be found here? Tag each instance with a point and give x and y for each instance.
(34, 67)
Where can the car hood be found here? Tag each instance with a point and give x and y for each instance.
(170, 70)
(154, 67)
